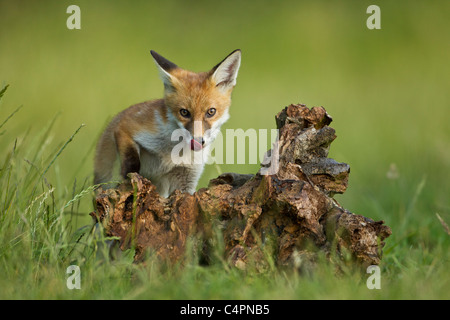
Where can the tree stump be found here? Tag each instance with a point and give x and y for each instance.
(285, 210)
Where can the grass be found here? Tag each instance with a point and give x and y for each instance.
(386, 90)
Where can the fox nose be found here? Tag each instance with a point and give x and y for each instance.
(197, 143)
(200, 140)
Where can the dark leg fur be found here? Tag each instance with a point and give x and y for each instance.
(130, 162)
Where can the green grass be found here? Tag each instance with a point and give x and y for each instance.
(387, 91)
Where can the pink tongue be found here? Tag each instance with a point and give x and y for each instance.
(195, 145)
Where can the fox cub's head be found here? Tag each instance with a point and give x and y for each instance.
(199, 102)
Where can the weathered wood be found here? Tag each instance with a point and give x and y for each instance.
(283, 214)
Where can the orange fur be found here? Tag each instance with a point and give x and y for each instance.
(141, 134)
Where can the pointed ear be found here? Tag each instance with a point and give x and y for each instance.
(225, 73)
(165, 67)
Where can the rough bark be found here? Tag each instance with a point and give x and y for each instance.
(288, 213)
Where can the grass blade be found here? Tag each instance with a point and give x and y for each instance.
(2, 92)
(10, 116)
(56, 156)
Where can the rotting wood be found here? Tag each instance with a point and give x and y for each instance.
(291, 213)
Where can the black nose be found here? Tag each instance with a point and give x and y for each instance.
(200, 140)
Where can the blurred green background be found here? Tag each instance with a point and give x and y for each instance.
(387, 90)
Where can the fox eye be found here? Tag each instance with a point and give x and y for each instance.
(211, 112)
(185, 113)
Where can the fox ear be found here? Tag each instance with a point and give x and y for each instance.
(225, 73)
(165, 67)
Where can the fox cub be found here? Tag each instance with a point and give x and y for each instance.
(142, 136)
